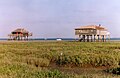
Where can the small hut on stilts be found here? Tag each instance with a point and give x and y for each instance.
(19, 34)
(92, 33)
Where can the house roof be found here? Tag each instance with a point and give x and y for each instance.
(92, 27)
(21, 30)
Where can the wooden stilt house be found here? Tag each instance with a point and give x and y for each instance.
(19, 34)
(92, 33)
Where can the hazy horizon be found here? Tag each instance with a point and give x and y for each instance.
(58, 18)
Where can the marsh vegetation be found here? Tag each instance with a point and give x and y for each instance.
(59, 59)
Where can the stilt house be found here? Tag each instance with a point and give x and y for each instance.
(92, 33)
(19, 34)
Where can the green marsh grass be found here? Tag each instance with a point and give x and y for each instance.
(33, 59)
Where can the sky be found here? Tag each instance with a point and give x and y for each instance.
(58, 18)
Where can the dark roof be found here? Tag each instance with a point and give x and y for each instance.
(21, 30)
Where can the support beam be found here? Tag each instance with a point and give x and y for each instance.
(91, 38)
(94, 38)
(27, 37)
(79, 38)
(87, 38)
(98, 38)
(103, 38)
(84, 38)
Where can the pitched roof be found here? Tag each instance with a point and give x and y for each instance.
(21, 30)
(92, 27)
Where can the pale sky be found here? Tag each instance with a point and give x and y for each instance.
(58, 18)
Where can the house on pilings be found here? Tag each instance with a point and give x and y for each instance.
(19, 34)
(92, 33)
